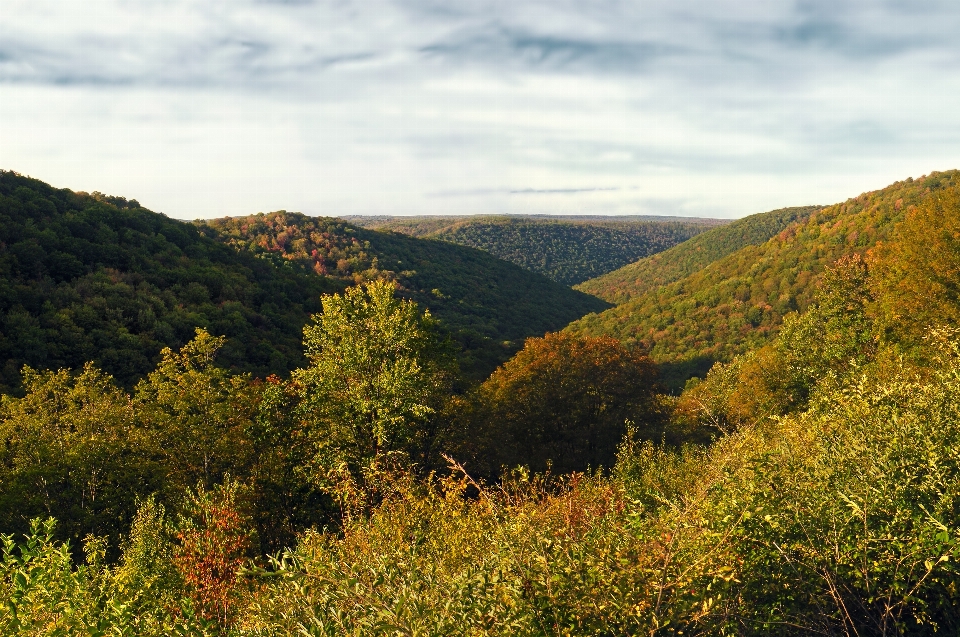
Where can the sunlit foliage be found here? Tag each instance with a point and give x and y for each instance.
(563, 402)
(736, 303)
(378, 377)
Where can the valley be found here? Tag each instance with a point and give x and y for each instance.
(279, 424)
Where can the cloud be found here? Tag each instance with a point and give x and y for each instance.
(254, 41)
(520, 191)
(341, 106)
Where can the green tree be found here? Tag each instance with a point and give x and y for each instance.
(198, 415)
(379, 375)
(69, 448)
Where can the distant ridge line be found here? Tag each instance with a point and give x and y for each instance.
(368, 220)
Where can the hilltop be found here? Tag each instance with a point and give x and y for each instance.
(568, 250)
(690, 311)
(90, 277)
(489, 304)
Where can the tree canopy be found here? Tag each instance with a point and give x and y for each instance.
(563, 401)
(379, 372)
(738, 302)
(567, 251)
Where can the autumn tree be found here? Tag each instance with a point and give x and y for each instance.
(214, 539)
(833, 339)
(918, 272)
(379, 374)
(197, 415)
(562, 401)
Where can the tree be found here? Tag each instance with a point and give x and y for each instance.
(917, 278)
(562, 401)
(197, 414)
(379, 374)
(214, 540)
(831, 340)
(69, 448)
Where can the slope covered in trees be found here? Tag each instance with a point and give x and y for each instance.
(738, 301)
(837, 516)
(568, 251)
(690, 256)
(483, 300)
(95, 278)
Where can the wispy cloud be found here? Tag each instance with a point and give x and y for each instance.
(341, 106)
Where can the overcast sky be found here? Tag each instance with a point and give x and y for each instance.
(722, 108)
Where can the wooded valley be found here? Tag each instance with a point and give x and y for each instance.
(280, 424)
(567, 250)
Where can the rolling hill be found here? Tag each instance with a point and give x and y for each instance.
(690, 256)
(93, 277)
(568, 250)
(690, 311)
(490, 305)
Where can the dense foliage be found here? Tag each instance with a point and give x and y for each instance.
(490, 306)
(563, 403)
(738, 302)
(568, 251)
(831, 521)
(808, 486)
(378, 379)
(376, 391)
(97, 278)
(691, 256)
(80, 448)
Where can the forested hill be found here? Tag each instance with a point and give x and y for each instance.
(691, 256)
(89, 277)
(483, 299)
(738, 301)
(568, 251)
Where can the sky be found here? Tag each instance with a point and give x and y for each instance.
(333, 107)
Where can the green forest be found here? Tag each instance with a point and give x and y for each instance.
(95, 278)
(806, 481)
(567, 250)
(689, 314)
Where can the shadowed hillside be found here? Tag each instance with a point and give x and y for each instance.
(567, 250)
(489, 304)
(89, 277)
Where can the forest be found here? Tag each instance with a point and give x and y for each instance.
(807, 482)
(694, 315)
(87, 277)
(566, 250)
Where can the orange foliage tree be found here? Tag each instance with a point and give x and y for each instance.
(563, 402)
(214, 538)
(917, 274)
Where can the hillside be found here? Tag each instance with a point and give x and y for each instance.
(92, 277)
(690, 256)
(736, 302)
(483, 300)
(567, 250)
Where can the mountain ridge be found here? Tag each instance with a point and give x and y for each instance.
(737, 302)
(567, 250)
(91, 277)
